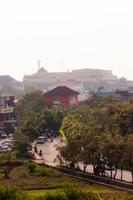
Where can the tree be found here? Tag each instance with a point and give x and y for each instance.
(112, 149)
(6, 163)
(123, 118)
(89, 148)
(30, 102)
(82, 145)
(128, 153)
(21, 144)
(33, 125)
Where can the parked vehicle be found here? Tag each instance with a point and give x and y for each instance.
(3, 135)
(41, 140)
(5, 149)
(10, 136)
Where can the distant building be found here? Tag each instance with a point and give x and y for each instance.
(10, 85)
(88, 79)
(80, 80)
(7, 118)
(61, 96)
(121, 95)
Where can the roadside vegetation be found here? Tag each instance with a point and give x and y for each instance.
(98, 132)
(30, 181)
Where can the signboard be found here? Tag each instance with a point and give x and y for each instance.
(6, 110)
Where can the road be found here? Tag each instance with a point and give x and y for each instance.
(5, 141)
(50, 153)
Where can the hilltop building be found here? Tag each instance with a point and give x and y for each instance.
(87, 79)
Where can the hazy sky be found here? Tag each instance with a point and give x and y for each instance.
(79, 33)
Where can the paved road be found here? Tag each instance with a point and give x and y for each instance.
(50, 153)
(5, 141)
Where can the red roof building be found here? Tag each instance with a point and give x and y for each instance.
(61, 96)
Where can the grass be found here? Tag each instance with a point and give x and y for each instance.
(40, 193)
(38, 177)
(99, 194)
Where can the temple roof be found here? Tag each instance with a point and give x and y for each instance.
(61, 91)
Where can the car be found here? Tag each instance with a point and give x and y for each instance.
(4, 149)
(3, 135)
(10, 136)
(41, 139)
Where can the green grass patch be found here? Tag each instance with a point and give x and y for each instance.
(28, 175)
(40, 193)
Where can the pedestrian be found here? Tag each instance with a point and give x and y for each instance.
(36, 151)
(40, 152)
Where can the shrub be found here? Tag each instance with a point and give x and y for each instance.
(31, 167)
(77, 194)
(43, 171)
(18, 162)
(57, 196)
(7, 193)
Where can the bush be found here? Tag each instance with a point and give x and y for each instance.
(77, 194)
(18, 163)
(43, 171)
(57, 196)
(70, 194)
(12, 194)
(31, 167)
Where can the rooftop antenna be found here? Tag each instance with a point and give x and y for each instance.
(39, 64)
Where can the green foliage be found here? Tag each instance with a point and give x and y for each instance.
(30, 102)
(70, 193)
(43, 171)
(32, 116)
(39, 170)
(102, 131)
(77, 194)
(94, 101)
(31, 167)
(57, 196)
(7, 193)
(128, 153)
(21, 144)
(33, 125)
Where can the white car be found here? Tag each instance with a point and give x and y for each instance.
(3, 135)
(41, 140)
(5, 149)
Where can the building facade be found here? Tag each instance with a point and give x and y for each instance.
(7, 117)
(62, 97)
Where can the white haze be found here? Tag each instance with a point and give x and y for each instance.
(65, 35)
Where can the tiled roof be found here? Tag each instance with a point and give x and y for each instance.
(61, 91)
(6, 79)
